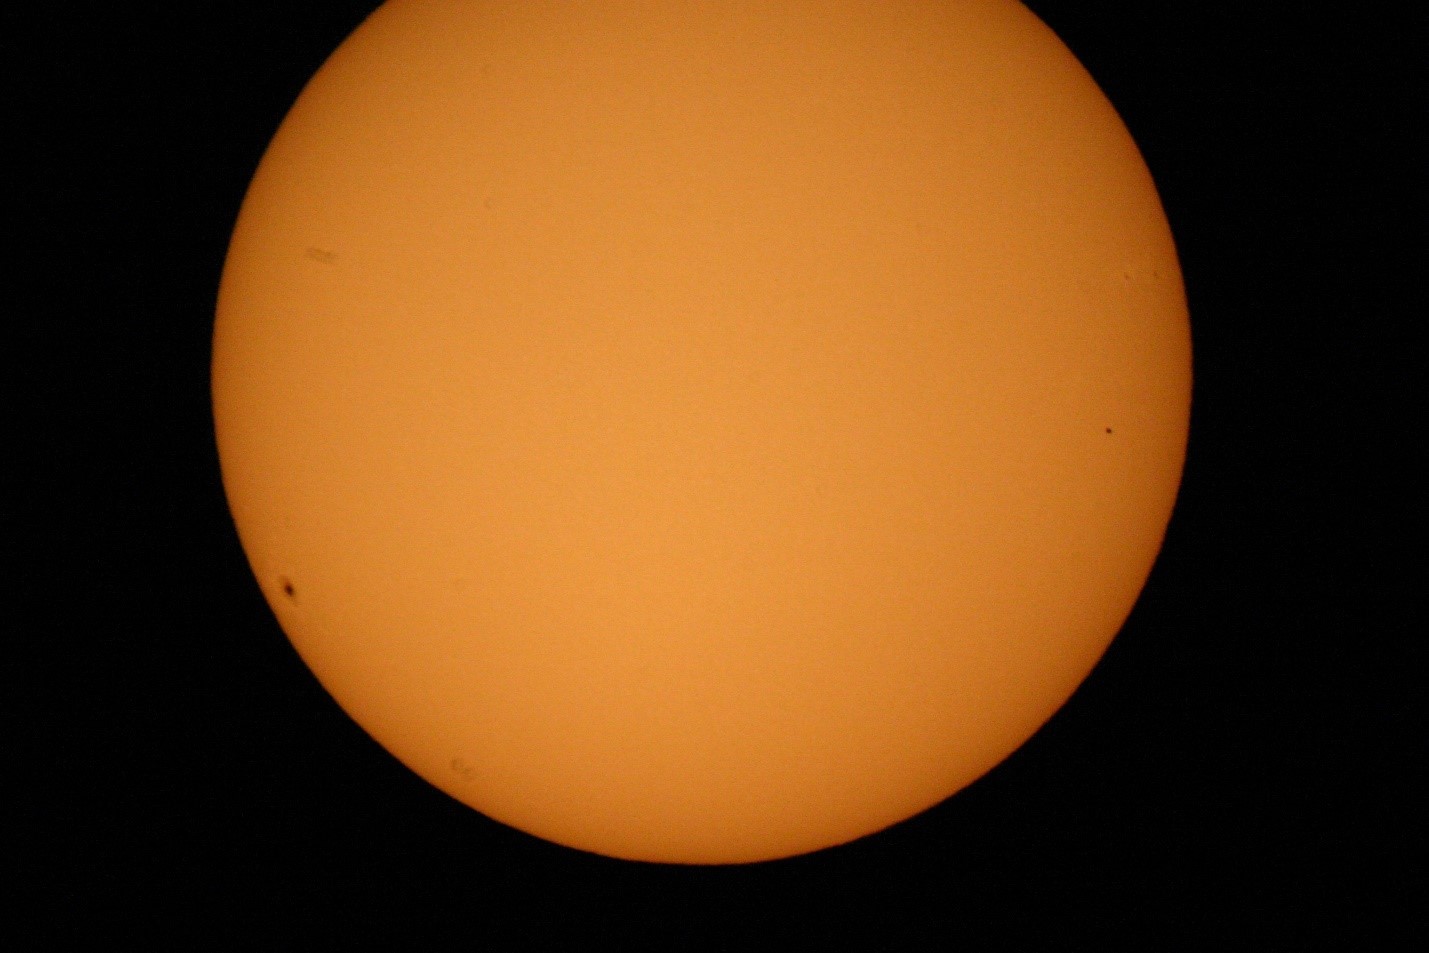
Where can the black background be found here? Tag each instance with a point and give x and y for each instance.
(1234, 770)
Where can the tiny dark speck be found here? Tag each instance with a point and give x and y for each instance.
(288, 589)
(1108, 430)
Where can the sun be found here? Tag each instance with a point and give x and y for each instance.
(701, 433)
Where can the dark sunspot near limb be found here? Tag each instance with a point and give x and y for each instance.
(287, 585)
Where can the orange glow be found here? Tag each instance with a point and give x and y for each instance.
(701, 432)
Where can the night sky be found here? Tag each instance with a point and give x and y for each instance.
(1234, 770)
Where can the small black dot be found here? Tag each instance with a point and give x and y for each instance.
(288, 589)
(1108, 430)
